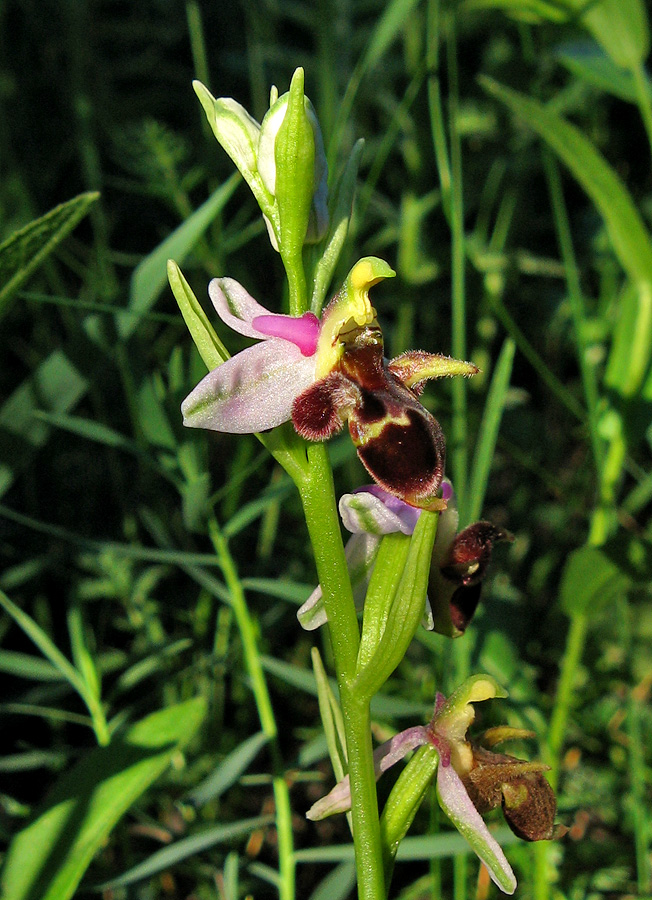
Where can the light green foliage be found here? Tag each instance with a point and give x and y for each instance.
(48, 858)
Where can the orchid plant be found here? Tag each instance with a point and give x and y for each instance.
(307, 375)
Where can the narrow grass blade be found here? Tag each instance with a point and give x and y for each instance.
(186, 847)
(25, 250)
(619, 26)
(24, 665)
(331, 717)
(589, 580)
(631, 350)
(588, 61)
(45, 645)
(629, 236)
(389, 26)
(228, 771)
(47, 859)
(337, 885)
(149, 277)
(382, 705)
(488, 432)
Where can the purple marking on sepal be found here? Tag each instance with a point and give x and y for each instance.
(446, 490)
(409, 515)
(300, 330)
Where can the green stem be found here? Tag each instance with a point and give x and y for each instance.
(364, 800)
(298, 291)
(318, 498)
(575, 640)
(589, 380)
(263, 702)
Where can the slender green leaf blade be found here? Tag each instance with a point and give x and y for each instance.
(57, 386)
(629, 236)
(620, 27)
(589, 580)
(588, 61)
(489, 427)
(186, 847)
(229, 770)
(34, 631)
(149, 277)
(47, 859)
(25, 250)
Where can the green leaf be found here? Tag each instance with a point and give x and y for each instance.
(404, 801)
(388, 569)
(406, 610)
(186, 847)
(228, 771)
(631, 350)
(588, 61)
(25, 665)
(48, 858)
(47, 647)
(337, 885)
(340, 217)
(389, 26)
(331, 717)
(149, 277)
(629, 236)
(488, 431)
(25, 250)
(590, 579)
(619, 26)
(533, 11)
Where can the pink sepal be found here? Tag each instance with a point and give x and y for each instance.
(252, 391)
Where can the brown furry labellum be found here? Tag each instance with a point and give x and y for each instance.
(398, 441)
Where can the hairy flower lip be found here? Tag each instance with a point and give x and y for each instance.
(446, 733)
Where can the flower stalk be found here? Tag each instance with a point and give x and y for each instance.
(305, 377)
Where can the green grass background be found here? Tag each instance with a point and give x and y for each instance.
(506, 177)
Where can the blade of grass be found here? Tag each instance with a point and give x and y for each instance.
(59, 661)
(389, 27)
(488, 432)
(228, 771)
(629, 236)
(149, 277)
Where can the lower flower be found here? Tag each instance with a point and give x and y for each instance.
(471, 778)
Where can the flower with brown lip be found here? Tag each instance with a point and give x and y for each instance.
(323, 373)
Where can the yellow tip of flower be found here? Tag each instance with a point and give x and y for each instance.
(369, 271)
